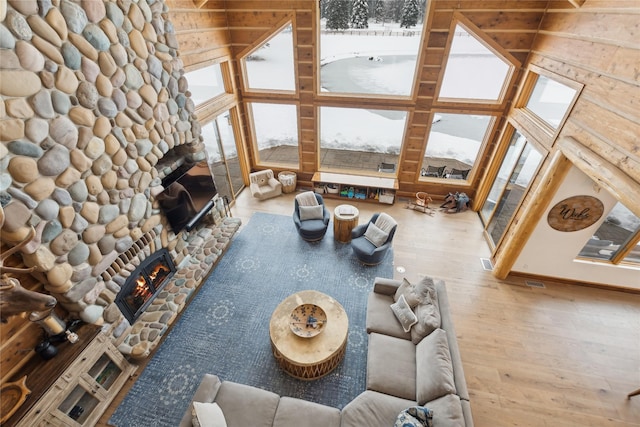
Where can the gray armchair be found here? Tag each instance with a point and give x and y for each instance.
(367, 252)
(311, 227)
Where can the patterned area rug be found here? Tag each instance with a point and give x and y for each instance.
(225, 329)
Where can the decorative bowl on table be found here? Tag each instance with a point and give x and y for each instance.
(307, 320)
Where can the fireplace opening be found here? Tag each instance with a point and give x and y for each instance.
(144, 284)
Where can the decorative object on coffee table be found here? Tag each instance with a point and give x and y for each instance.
(345, 218)
(309, 358)
(307, 320)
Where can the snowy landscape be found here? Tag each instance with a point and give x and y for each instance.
(347, 60)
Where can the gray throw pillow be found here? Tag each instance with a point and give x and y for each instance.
(429, 319)
(310, 212)
(414, 293)
(404, 314)
(376, 236)
(434, 370)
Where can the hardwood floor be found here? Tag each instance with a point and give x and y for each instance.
(558, 356)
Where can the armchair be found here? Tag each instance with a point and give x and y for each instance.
(312, 220)
(371, 244)
(263, 184)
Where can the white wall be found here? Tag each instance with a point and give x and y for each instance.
(552, 253)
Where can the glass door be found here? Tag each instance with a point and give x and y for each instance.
(220, 143)
(520, 166)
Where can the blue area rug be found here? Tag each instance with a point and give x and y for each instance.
(225, 329)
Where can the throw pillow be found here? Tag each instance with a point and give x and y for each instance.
(414, 293)
(415, 416)
(376, 236)
(429, 319)
(208, 415)
(404, 313)
(310, 212)
(434, 370)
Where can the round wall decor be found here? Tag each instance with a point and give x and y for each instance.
(575, 213)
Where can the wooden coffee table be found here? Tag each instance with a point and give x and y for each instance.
(309, 358)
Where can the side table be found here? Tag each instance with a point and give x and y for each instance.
(345, 218)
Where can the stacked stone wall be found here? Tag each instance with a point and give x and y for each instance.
(94, 111)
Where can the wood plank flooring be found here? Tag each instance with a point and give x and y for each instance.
(558, 356)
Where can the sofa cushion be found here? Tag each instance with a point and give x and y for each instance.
(372, 408)
(434, 371)
(380, 317)
(294, 412)
(310, 212)
(447, 411)
(404, 314)
(391, 366)
(208, 415)
(376, 236)
(244, 405)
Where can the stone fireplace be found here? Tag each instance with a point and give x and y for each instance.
(144, 284)
(98, 113)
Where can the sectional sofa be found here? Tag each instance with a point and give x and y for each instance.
(417, 367)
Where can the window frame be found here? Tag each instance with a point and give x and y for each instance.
(253, 138)
(528, 85)
(484, 144)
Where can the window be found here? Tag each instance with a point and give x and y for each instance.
(348, 136)
(512, 192)
(473, 71)
(224, 163)
(453, 146)
(550, 100)
(617, 238)
(205, 83)
(513, 153)
(275, 129)
(270, 66)
(375, 57)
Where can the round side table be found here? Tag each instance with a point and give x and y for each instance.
(345, 218)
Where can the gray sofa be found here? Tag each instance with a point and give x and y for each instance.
(400, 374)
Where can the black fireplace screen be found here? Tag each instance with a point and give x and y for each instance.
(144, 283)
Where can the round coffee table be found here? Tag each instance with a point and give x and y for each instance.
(309, 358)
(345, 218)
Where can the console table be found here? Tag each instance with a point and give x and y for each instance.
(76, 386)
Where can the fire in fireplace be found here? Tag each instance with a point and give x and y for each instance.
(144, 283)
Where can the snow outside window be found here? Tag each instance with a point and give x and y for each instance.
(473, 71)
(205, 83)
(550, 100)
(454, 143)
(346, 134)
(276, 134)
(271, 65)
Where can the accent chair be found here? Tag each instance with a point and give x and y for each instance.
(372, 241)
(310, 216)
(264, 185)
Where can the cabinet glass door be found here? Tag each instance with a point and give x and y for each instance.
(79, 404)
(105, 372)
